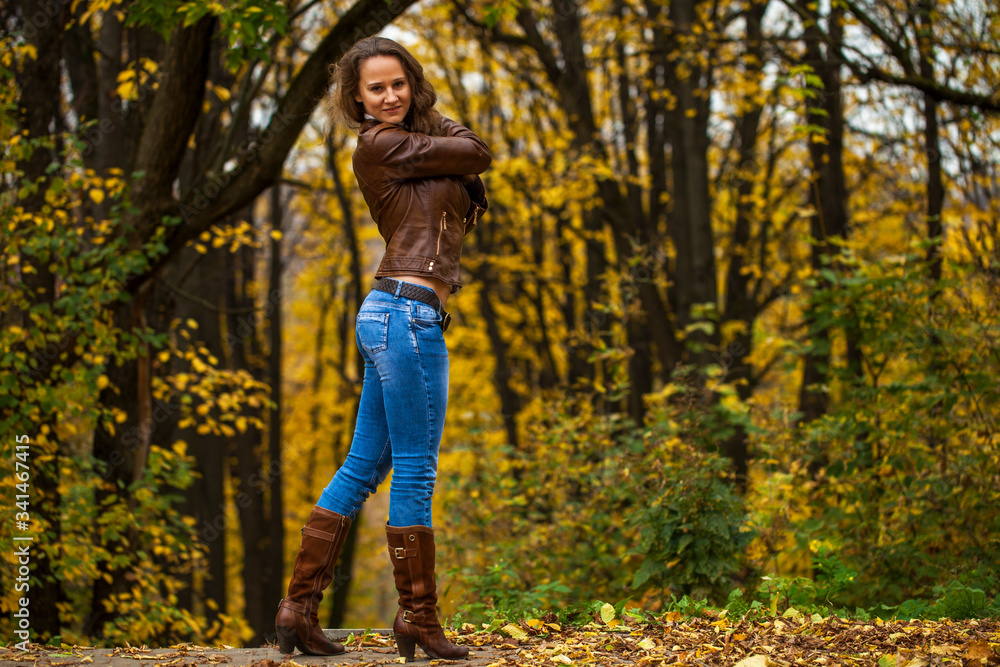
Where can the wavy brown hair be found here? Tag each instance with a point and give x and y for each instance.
(346, 79)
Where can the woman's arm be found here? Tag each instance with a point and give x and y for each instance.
(404, 155)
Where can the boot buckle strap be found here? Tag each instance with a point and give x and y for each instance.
(321, 534)
(402, 552)
(293, 606)
(423, 616)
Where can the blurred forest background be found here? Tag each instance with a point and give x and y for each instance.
(732, 314)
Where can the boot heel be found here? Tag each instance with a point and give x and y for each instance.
(286, 639)
(406, 647)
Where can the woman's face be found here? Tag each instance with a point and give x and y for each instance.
(384, 89)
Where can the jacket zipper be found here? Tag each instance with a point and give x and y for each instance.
(444, 226)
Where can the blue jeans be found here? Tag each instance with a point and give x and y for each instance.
(401, 414)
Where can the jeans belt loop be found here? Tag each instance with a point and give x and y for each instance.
(399, 287)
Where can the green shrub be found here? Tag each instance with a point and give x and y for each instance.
(594, 507)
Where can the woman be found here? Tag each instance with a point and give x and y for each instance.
(417, 172)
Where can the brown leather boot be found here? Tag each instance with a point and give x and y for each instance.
(297, 623)
(411, 550)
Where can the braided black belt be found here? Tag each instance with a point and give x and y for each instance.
(416, 293)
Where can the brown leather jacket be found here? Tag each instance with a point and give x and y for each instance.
(413, 185)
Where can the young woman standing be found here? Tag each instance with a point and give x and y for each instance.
(418, 172)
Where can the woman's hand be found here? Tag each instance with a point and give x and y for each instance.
(474, 186)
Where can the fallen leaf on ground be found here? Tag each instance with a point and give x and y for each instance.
(755, 661)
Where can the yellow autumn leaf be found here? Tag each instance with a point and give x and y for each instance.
(607, 613)
(102, 381)
(276, 234)
(534, 623)
(164, 356)
(512, 630)
(756, 661)
(127, 90)
(180, 447)
(191, 323)
(97, 196)
(647, 644)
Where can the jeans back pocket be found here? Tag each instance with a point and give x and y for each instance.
(373, 331)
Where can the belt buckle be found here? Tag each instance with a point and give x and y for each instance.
(445, 320)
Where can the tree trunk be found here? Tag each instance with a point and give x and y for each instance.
(568, 74)
(740, 300)
(829, 200)
(935, 205)
(207, 277)
(932, 140)
(270, 577)
(690, 223)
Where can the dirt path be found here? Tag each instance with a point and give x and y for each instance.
(375, 649)
(192, 656)
(710, 641)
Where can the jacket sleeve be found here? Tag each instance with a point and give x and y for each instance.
(404, 155)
